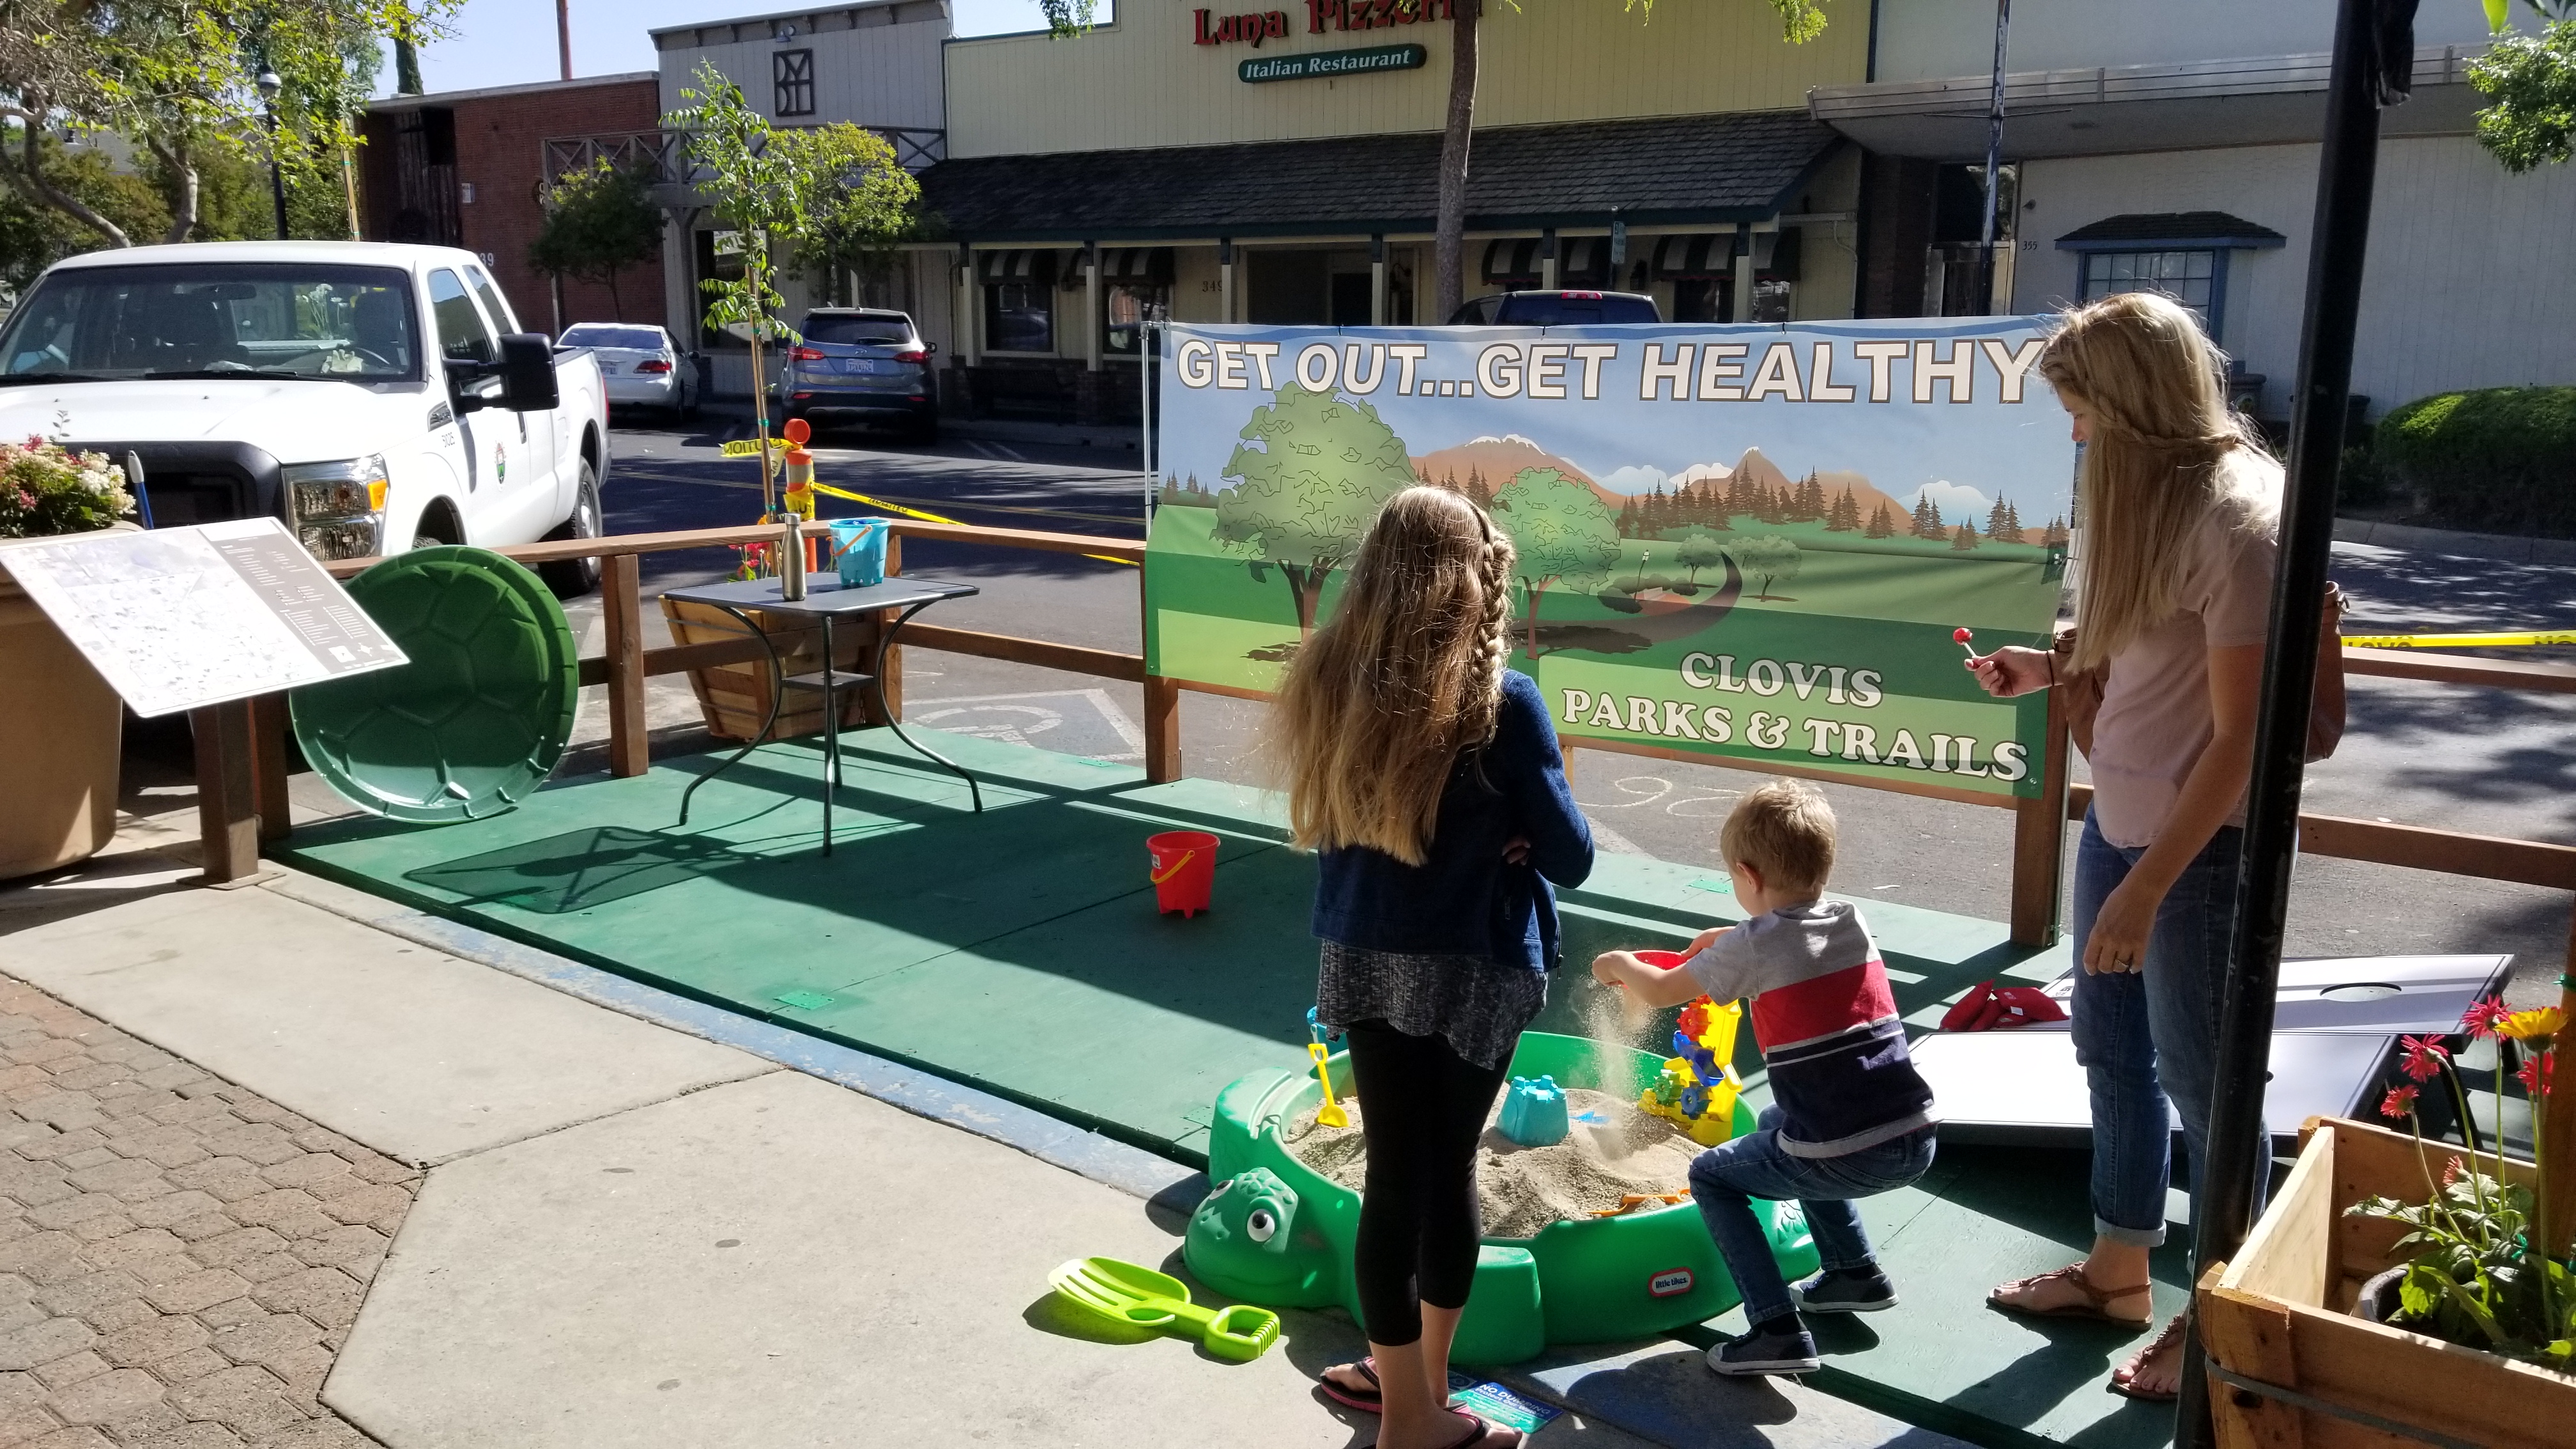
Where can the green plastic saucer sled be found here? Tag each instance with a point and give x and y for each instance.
(477, 720)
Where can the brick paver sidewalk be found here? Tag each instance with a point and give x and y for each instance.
(179, 1258)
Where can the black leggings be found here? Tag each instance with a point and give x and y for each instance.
(1422, 1108)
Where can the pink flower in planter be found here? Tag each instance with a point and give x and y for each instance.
(2400, 1102)
(2534, 1075)
(2482, 1018)
(2424, 1057)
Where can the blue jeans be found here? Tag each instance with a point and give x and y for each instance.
(1725, 1179)
(2147, 1035)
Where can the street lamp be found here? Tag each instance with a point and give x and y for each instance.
(269, 85)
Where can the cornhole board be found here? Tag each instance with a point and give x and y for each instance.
(2335, 1024)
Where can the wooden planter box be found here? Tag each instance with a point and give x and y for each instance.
(2281, 1315)
(61, 729)
(735, 697)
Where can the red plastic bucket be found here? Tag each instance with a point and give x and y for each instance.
(1661, 960)
(1184, 870)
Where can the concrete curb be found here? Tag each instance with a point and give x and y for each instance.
(1103, 1160)
(2501, 547)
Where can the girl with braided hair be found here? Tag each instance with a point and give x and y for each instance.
(1425, 775)
(2173, 598)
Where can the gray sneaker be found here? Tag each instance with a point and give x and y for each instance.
(1780, 1346)
(1846, 1290)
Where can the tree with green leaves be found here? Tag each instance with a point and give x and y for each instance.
(598, 222)
(1562, 533)
(1769, 557)
(2531, 81)
(1313, 470)
(761, 189)
(179, 80)
(1699, 551)
(864, 205)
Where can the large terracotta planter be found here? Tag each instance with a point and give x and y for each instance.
(2280, 1315)
(60, 731)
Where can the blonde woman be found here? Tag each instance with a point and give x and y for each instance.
(2173, 601)
(1426, 777)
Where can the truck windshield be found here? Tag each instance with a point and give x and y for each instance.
(209, 319)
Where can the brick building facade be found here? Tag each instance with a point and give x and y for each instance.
(465, 169)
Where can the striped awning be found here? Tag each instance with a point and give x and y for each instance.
(1706, 256)
(1136, 264)
(1033, 266)
(1513, 261)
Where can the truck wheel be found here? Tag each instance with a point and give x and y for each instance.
(573, 577)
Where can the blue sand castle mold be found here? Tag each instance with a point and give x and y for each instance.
(1278, 1233)
(1534, 1112)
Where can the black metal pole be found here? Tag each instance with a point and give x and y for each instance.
(2222, 1212)
(276, 176)
(1994, 166)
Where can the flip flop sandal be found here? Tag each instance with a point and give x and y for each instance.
(1486, 1435)
(2096, 1303)
(1361, 1399)
(2169, 1341)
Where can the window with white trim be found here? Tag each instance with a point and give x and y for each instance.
(2189, 277)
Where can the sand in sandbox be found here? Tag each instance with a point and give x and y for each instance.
(1526, 1188)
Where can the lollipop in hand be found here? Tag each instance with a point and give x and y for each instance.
(1961, 638)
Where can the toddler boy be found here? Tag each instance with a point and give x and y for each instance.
(1849, 1116)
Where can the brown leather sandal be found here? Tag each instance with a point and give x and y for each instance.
(2124, 1379)
(2095, 1304)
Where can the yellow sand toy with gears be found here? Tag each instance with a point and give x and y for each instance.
(1697, 1088)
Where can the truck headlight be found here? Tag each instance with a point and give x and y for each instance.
(338, 508)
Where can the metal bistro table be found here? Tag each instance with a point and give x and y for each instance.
(827, 598)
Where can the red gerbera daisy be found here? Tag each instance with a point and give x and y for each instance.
(2424, 1057)
(2400, 1102)
(2483, 1017)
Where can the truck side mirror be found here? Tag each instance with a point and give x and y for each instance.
(528, 373)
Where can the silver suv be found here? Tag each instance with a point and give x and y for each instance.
(864, 365)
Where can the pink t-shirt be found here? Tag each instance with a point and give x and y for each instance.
(2155, 717)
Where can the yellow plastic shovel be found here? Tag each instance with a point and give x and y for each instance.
(1143, 1298)
(1331, 1113)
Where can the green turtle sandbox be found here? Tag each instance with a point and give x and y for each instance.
(1278, 1233)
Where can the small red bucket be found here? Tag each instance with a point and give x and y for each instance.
(1184, 870)
(1661, 960)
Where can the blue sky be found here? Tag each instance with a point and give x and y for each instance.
(512, 42)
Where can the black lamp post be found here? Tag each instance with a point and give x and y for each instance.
(269, 85)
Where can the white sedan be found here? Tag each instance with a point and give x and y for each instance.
(639, 364)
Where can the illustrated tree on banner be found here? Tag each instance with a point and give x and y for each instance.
(1308, 493)
(1563, 533)
(1768, 557)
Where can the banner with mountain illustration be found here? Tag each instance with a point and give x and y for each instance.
(1753, 541)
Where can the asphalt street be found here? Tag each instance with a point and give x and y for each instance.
(2490, 762)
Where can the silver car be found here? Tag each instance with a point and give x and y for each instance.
(639, 365)
(863, 364)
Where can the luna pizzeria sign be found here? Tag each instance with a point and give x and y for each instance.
(1322, 16)
(1755, 542)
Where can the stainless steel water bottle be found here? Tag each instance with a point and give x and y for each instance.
(791, 556)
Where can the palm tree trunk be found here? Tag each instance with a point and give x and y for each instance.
(1449, 236)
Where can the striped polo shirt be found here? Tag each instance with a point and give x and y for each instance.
(1827, 1025)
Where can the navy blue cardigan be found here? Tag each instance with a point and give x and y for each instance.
(1466, 899)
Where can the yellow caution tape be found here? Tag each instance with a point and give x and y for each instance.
(930, 517)
(2457, 641)
(750, 447)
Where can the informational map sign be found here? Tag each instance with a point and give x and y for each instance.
(1749, 541)
(176, 618)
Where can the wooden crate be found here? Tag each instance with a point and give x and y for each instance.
(736, 697)
(2280, 1315)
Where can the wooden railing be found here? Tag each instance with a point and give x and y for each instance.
(242, 763)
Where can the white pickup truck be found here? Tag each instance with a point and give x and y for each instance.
(375, 397)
